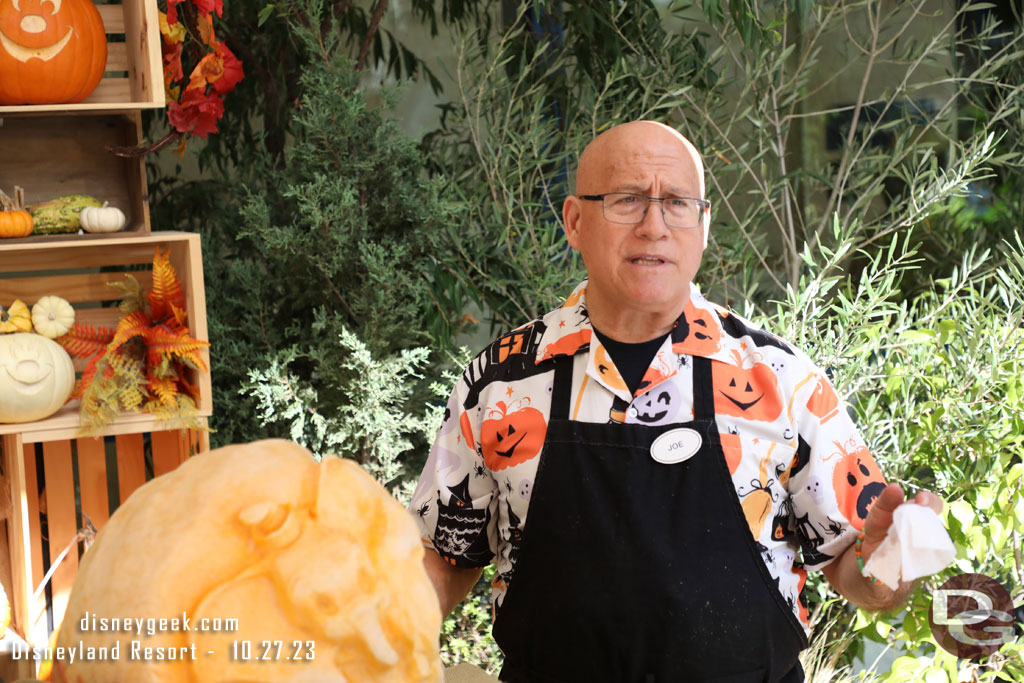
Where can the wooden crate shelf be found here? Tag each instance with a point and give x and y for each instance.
(46, 513)
(53, 476)
(133, 78)
(59, 154)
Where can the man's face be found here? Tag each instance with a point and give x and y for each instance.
(647, 267)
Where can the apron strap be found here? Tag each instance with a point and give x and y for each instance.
(703, 389)
(561, 392)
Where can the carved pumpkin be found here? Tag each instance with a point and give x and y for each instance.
(317, 559)
(857, 482)
(51, 51)
(747, 392)
(511, 435)
(36, 377)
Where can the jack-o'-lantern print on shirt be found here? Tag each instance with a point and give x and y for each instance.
(746, 388)
(777, 417)
(512, 434)
(697, 333)
(856, 480)
(657, 406)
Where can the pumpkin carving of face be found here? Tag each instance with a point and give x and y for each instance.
(748, 392)
(51, 51)
(36, 377)
(511, 435)
(857, 482)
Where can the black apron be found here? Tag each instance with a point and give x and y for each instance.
(636, 571)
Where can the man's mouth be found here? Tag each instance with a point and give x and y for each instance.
(647, 261)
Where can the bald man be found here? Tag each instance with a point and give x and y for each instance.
(652, 474)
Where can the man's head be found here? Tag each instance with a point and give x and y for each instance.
(644, 267)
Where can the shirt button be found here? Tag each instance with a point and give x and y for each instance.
(632, 412)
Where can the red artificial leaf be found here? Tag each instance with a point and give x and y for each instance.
(197, 113)
(172, 11)
(208, 6)
(231, 71)
(172, 63)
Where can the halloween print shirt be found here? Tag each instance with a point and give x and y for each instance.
(801, 471)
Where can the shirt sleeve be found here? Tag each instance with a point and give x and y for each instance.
(456, 498)
(836, 479)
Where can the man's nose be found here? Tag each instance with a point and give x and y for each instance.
(653, 225)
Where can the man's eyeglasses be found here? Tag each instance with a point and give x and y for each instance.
(629, 209)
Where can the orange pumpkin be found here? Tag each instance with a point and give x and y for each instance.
(751, 393)
(307, 571)
(511, 436)
(51, 51)
(857, 482)
(15, 221)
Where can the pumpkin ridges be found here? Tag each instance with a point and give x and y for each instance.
(68, 76)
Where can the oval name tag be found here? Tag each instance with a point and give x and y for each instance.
(675, 446)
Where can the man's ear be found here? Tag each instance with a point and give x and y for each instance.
(571, 220)
(707, 225)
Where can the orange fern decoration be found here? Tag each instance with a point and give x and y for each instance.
(142, 363)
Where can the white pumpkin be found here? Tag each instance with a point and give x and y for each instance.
(36, 377)
(52, 316)
(102, 218)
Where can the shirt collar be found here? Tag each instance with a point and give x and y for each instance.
(697, 332)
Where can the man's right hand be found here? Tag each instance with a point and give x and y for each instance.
(450, 583)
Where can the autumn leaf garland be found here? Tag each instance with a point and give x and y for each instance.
(142, 363)
(195, 104)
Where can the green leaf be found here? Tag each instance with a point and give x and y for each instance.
(264, 14)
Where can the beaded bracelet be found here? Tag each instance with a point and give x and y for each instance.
(860, 560)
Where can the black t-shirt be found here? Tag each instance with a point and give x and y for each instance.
(631, 359)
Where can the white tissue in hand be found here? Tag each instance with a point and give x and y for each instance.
(917, 545)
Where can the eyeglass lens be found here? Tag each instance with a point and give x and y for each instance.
(679, 212)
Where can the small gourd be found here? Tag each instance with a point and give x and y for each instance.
(15, 221)
(102, 218)
(16, 318)
(53, 316)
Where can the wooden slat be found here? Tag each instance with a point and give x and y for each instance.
(113, 18)
(75, 288)
(112, 91)
(19, 535)
(36, 628)
(142, 35)
(169, 450)
(60, 516)
(42, 258)
(92, 480)
(131, 464)
(117, 57)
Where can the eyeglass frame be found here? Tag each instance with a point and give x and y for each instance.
(704, 204)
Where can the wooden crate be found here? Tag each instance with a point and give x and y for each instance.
(42, 477)
(52, 476)
(133, 78)
(80, 271)
(59, 154)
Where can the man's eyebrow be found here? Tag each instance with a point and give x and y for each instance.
(668, 190)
